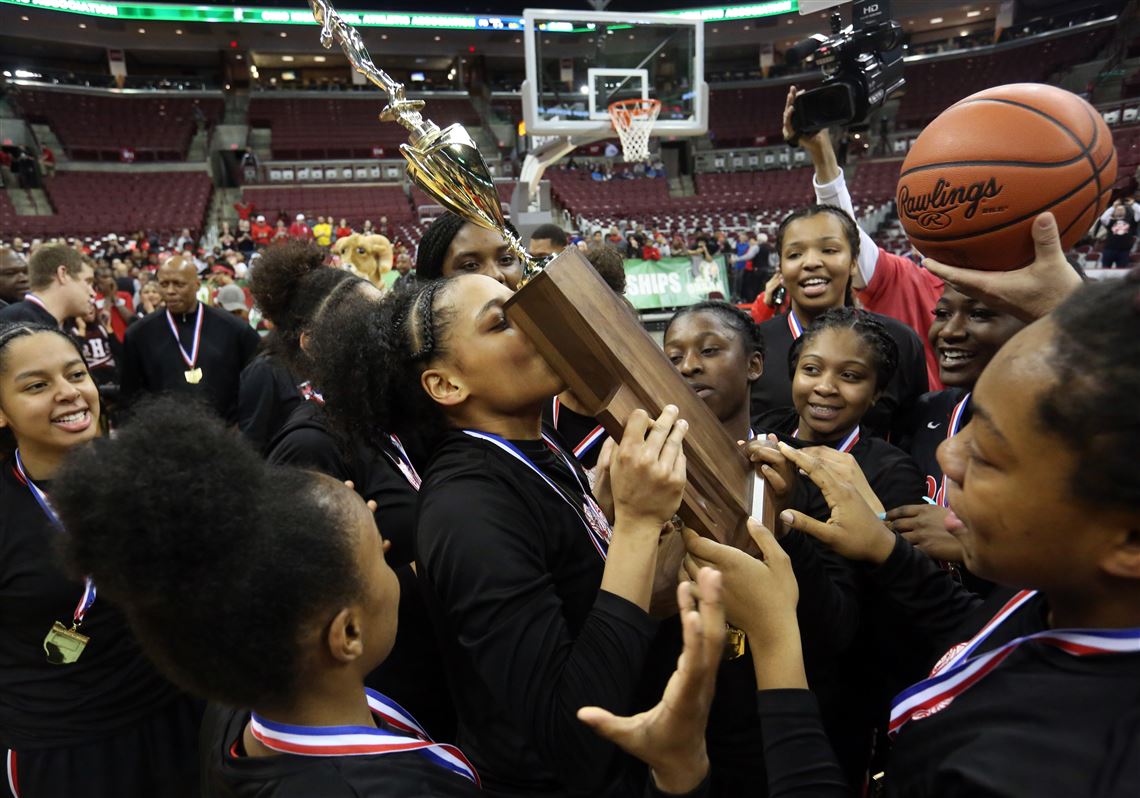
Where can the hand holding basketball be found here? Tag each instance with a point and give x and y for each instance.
(1027, 293)
(989, 165)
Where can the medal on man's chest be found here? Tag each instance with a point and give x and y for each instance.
(193, 376)
(62, 645)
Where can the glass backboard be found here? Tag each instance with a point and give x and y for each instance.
(578, 62)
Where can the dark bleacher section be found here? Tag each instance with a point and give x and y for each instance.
(98, 127)
(726, 199)
(9, 221)
(1128, 155)
(933, 86)
(97, 203)
(353, 203)
(748, 117)
(875, 181)
(339, 127)
(428, 207)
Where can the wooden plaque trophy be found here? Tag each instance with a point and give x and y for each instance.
(588, 335)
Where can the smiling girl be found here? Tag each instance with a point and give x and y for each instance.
(965, 334)
(77, 699)
(819, 247)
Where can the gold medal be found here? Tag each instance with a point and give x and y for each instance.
(62, 645)
(733, 642)
(193, 376)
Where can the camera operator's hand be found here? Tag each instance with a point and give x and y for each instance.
(817, 145)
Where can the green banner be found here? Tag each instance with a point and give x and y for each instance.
(669, 283)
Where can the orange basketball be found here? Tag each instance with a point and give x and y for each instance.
(981, 172)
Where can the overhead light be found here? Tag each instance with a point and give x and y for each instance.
(585, 89)
(383, 35)
(936, 21)
(83, 26)
(142, 30)
(963, 33)
(7, 74)
(747, 27)
(973, 13)
(179, 31)
(238, 56)
(25, 19)
(253, 71)
(284, 34)
(288, 59)
(23, 73)
(790, 21)
(288, 75)
(320, 59)
(437, 38)
(631, 36)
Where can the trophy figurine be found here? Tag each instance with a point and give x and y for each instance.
(444, 163)
(582, 329)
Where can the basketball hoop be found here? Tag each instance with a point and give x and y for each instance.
(633, 120)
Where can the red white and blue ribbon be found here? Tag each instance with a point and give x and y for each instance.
(960, 669)
(404, 463)
(845, 445)
(952, 428)
(587, 443)
(191, 358)
(309, 393)
(794, 325)
(88, 598)
(405, 734)
(587, 510)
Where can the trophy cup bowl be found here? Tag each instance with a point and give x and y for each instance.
(448, 166)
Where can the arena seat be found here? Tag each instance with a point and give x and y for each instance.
(934, 85)
(99, 126)
(748, 117)
(97, 203)
(340, 127)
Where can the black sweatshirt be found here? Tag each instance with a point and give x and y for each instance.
(228, 773)
(924, 428)
(267, 394)
(152, 362)
(773, 391)
(109, 687)
(1042, 723)
(306, 442)
(26, 311)
(513, 581)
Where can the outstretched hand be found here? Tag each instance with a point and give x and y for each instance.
(670, 737)
(1027, 293)
(854, 529)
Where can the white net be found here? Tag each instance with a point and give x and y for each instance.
(633, 120)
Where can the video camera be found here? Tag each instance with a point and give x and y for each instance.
(862, 64)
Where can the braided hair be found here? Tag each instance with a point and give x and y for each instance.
(873, 333)
(369, 355)
(1096, 355)
(731, 315)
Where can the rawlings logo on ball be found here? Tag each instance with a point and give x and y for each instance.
(932, 210)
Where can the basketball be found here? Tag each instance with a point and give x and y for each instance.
(984, 169)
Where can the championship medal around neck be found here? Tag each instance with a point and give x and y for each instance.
(193, 373)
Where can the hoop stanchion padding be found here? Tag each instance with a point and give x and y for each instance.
(633, 120)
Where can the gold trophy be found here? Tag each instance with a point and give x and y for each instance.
(574, 319)
(444, 163)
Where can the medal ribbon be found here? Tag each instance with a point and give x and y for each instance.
(88, 598)
(958, 670)
(191, 358)
(951, 430)
(408, 735)
(599, 537)
(404, 463)
(794, 325)
(587, 443)
(845, 445)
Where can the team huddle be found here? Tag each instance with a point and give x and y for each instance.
(438, 575)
